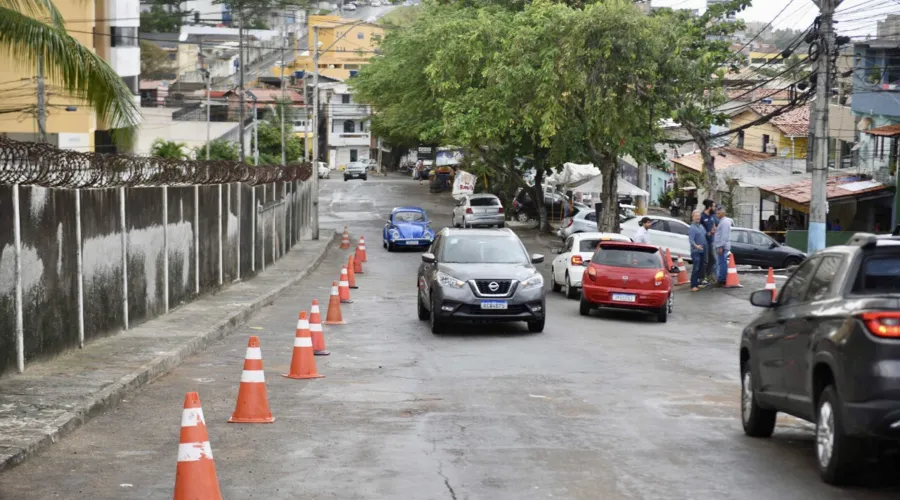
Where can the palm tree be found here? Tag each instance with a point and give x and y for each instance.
(68, 63)
(169, 149)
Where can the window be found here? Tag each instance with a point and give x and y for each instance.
(569, 244)
(588, 245)
(349, 128)
(173, 56)
(360, 35)
(760, 240)
(765, 143)
(879, 273)
(740, 141)
(484, 202)
(795, 288)
(738, 237)
(591, 216)
(354, 154)
(133, 83)
(345, 98)
(677, 228)
(658, 225)
(121, 36)
(643, 258)
(820, 284)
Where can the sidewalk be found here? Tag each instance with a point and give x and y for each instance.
(55, 397)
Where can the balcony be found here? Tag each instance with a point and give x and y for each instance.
(358, 139)
(876, 78)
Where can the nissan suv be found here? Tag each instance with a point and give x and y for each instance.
(356, 170)
(827, 350)
(480, 275)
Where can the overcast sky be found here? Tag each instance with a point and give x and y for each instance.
(855, 17)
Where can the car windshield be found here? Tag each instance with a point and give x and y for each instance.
(409, 217)
(486, 201)
(879, 274)
(639, 258)
(356, 164)
(486, 249)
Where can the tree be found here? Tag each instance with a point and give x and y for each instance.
(77, 69)
(155, 62)
(160, 19)
(219, 149)
(170, 150)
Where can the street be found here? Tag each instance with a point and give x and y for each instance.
(609, 407)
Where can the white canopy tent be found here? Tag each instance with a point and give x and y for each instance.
(595, 185)
(587, 179)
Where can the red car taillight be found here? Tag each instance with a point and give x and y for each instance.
(592, 273)
(468, 210)
(500, 210)
(577, 260)
(658, 279)
(571, 221)
(882, 324)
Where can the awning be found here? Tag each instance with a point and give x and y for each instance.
(840, 187)
(885, 131)
(595, 185)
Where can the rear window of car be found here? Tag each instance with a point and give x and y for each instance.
(484, 202)
(638, 258)
(588, 245)
(879, 273)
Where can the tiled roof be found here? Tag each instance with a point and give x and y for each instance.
(274, 95)
(755, 95)
(839, 186)
(886, 130)
(733, 156)
(794, 123)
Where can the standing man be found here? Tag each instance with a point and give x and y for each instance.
(697, 239)
(642, 235)
(708, 221)
(723, 244)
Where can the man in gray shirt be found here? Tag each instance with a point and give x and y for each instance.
(722, 243)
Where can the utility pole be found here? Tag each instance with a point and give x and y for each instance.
(284, 106)
(208, 109)
(241, 82)
(41, 101)
(315, 111)
(818, 202)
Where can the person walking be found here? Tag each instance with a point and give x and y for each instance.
(708, 221)
(642, 235)
(697, 239)
(723, 244)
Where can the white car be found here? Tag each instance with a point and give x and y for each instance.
(664, 232)
(585, 220)
(350, 6)
(324, 170)
(480, 209)
(376, 3)
(568, 267)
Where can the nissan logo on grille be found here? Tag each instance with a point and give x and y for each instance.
(493, 286)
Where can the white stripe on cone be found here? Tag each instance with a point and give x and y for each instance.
(194, 452)
(770, 286)
(334, 290)
(191, 417)
(253, 353)
(302, 324)
(253, 376)
(732, 270)
(315, 327)
(345, 283)
(362, 247)
(314, 309)
(302, 342)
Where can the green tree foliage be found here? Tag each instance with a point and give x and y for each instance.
(219, 149)
(170, 150)
(270, 137)
(160, 19)
(155, 64)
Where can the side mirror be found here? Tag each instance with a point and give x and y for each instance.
(537, 258)
(428, 258)
(673, 270)
(762, 298)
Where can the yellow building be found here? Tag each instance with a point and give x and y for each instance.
(344, 46)
(109, 27)
(784, 135)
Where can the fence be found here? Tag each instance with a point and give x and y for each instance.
(91, 244)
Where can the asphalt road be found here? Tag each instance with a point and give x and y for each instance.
(608, 407)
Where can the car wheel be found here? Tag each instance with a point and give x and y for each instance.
(536, 326)
(365, 177)
(383, 244)
(453, 221)
(556, 287)
(390, 247)
(670, 304)
(791, 261)
(522, 217)
(501, 225)
(662, 315)
(437, 326)
(420, 308)
(757, 421)
(571, 291)
(838, 455)
(346, 178)
(584, 307)
(465, 224)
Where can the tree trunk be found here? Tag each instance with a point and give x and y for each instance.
(537, 194)
(709, 163)
(609, 216)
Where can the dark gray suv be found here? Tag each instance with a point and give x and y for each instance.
(480, 275)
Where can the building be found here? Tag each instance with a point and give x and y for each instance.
(876, 105)
(785, 135)
(71, 124)
(346, 126)
(344, 46)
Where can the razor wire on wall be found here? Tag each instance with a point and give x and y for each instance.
(30, 163)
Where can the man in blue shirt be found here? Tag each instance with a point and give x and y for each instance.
(722, 243)
(699, 245)
(708, 221)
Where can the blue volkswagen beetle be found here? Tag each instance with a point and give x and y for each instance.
(407, 227)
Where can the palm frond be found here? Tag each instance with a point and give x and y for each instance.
(70, 65)
(36, 8)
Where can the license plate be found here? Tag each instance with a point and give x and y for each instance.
(410, 242)
(493, 304)
(623, 297)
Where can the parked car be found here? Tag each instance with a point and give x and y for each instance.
(350, 6)
(324, 170)
(483, 209)
(585, 219)
(524, 208)
(376, 3)
(624, 275)
(827, 350)
(407, 227)
(755, 248)
(480, 275)
(371, 164)
(356, 170)
(568, 267)
(665, 232)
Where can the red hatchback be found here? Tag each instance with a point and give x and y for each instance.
(626, 275)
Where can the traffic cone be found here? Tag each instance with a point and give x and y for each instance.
(731, 279)
(669, 264)
(315, 330)
(683, 278)
(361, 250)
(195, 476)
(351, 275)
(252, 402)
(344, 288)
(334, 316)
(357, 264)
(303, 364)
(345, 239)
(770, 283)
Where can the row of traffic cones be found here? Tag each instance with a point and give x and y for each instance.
(195, 477)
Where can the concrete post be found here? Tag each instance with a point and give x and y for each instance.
(237, 196)
(165, 222)
(79, 268)
(123, 227)
(197, 238)
(262, 245)
(221, 243)
(253, 218)
(17, 249)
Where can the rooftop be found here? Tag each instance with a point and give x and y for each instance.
(724, 157)
(794, 123)
(839, 186)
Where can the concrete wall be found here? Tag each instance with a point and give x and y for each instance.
(49, 264)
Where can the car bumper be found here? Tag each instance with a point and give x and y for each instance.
(411, 242)
(354, 175)
(644, 299)
(879, 419)
(477, 220)
(575, 275)
(461, 304)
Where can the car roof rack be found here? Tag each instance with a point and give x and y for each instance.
(863, 240)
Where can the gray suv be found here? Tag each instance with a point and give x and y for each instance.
(480, 275)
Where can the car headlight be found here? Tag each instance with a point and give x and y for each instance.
(445, 279)
(394, 234)
(428, 235)
(536, 281)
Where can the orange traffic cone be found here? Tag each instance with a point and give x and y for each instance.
(344, 288)
(195, 477)
(361, 250)
(731, 279)
(334, 316)
(351, 275)
(345, 239)
(253, 401)
(683, 278)
(357, 264)
(303, 364)
(770, 283)
(669, 264)
(315, 330)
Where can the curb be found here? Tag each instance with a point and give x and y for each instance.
(149, 372)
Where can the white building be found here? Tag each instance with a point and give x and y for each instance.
(348, 135)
